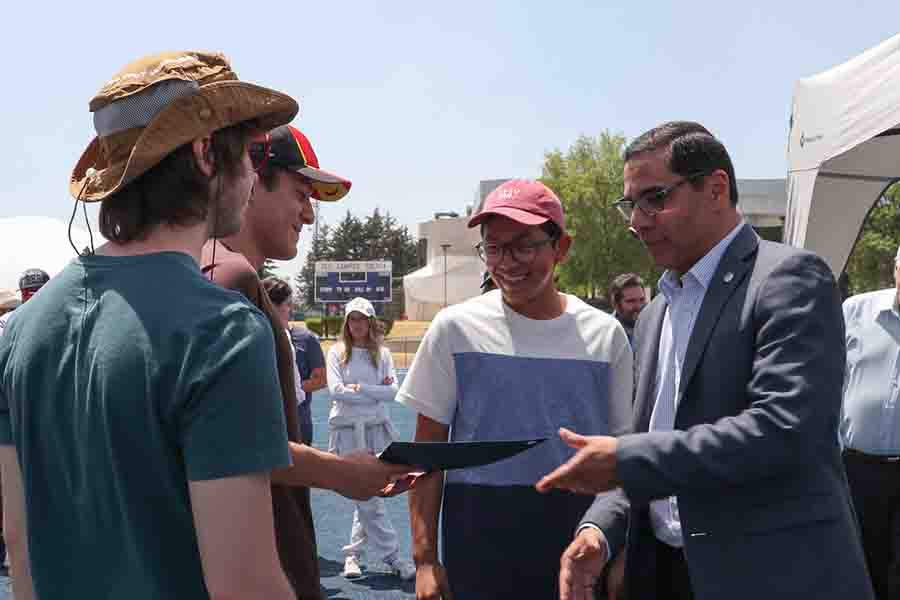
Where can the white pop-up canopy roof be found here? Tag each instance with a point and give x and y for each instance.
(37, 242)
(426, 286)
(843, 151)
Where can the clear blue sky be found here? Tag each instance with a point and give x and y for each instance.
(418, 101)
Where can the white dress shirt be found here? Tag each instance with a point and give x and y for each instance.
(870, 414)
(685, 297)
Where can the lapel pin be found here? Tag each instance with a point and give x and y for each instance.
(728, 277)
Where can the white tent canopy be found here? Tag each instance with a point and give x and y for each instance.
(843, 151)
(37, 242)
(424, 289)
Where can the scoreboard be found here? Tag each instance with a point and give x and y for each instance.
(342, 281)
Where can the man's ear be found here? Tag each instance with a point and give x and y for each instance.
(562, 248)
(203, 155)
(719, 187)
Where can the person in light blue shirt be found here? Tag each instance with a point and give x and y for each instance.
(870, 427)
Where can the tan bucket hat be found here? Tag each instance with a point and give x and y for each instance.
(159, 103)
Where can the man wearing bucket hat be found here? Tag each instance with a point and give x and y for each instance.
(135, 415)
(514, 363)
(277, 211)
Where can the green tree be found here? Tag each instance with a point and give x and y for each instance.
(319, 249)
(372, 245)
(871, 264)
(588, 180)
(348, 239)
(401, 246)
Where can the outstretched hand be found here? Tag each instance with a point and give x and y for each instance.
(401, 485)
(592, 470)
(364, 476)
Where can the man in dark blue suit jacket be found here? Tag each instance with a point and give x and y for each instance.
(732, 485)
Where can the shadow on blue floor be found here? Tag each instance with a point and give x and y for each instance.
(387, 584)
(373, 584)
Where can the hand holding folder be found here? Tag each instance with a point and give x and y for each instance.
(443, 456)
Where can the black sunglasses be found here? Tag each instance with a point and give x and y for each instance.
(260, 152)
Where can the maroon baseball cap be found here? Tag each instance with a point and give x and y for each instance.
(524, 201)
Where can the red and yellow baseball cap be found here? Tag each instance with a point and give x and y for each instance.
(290, 149)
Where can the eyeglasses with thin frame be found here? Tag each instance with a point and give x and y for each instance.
(260, 152)
(522, 252)
(653, 201)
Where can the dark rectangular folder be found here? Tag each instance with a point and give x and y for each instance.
(442, 456)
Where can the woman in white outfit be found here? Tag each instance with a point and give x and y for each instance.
(362, 381)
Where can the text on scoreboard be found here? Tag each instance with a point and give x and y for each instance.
(341, 281)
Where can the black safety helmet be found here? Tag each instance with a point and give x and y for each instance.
(33, 279)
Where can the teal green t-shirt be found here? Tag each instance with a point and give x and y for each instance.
(121, 381)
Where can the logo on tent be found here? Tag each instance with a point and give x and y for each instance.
(809, 140)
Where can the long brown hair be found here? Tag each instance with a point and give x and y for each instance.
(372, 344)
(174, 192)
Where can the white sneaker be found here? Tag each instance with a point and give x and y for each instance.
(351, 568)
(402, 568)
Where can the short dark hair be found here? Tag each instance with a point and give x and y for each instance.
(278, 289)
(268, 176)
(174, 191)
(553, 231)
(618, 285)
(690, 148)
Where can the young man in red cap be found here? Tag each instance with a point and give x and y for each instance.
(278, 209)
(516, 362)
